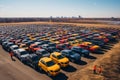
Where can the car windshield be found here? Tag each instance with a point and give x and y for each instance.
(15, 48)
(35, 46)
(52, 44)
(63, 46)
(90, 45)
(10, 44)
(54, 49)
(71, 53)
(50, 63)
(60, 56)
(36, 58)
(78, 49)
(44, 52)
(23, 53)
(24, 46)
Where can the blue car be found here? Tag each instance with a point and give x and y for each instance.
(73, 56)
(81, 51)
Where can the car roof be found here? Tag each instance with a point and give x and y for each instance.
(40, 50)
(66, 50)
(56, 53)
(21, 50)
(32, 55)
(46, 59)
(33, 44)
(14, 46)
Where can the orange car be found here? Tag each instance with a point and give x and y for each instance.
(34, 47)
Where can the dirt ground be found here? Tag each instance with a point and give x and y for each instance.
(110, 65)
(15, 70)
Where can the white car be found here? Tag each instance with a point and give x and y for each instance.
(22, 54)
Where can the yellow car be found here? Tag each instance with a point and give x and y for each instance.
(78, 41)
(48, 65)
(56, 42)
(24, 46)
(52, 40)
(59, 59)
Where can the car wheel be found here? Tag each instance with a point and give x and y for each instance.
(33, 66)
(40, 69)
(48, 74)
(72, 60)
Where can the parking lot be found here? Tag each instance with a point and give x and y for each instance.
(67, 35)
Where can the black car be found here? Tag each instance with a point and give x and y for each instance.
(8, 45)
(52, 44)
(52, 49)
(4, 44)
(32, 60)
(73, 56)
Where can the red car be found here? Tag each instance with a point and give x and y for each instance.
(34, 47)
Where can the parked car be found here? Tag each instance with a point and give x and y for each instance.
(89, 46)
(24, 46)
(32, 60)
(14, 48)
(61, 47)
(59, 59)
(8, 45)
(34, 47)
(73, 56)
(22, 55)
(52, 49)
(81, 51)
(47, 64)
(42, 53)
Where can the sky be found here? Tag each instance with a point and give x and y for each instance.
(58, 8)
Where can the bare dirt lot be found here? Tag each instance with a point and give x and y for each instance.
(15, 70)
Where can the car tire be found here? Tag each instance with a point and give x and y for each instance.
(40, 69)
(48, 74)
(72, 60)
(20, 59)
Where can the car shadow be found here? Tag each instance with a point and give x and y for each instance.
(60, 76)
(81, 62)
(98, 52)
(108, 47)
(90, 57)
(69, 68)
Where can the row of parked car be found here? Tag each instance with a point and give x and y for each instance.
(48, 48)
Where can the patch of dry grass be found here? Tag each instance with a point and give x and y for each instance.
(111, 67)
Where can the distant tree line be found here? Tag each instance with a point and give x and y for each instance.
(64, 19)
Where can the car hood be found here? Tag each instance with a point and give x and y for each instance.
(85, 51)
(77, 56)
(95, 47)
(36, 49)
(24, 55)
(64, 60)
(46, 55)
(54, 67)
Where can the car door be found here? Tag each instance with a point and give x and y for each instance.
(43, 66)
(54, 58)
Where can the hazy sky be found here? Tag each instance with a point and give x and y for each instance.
(47, 8)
